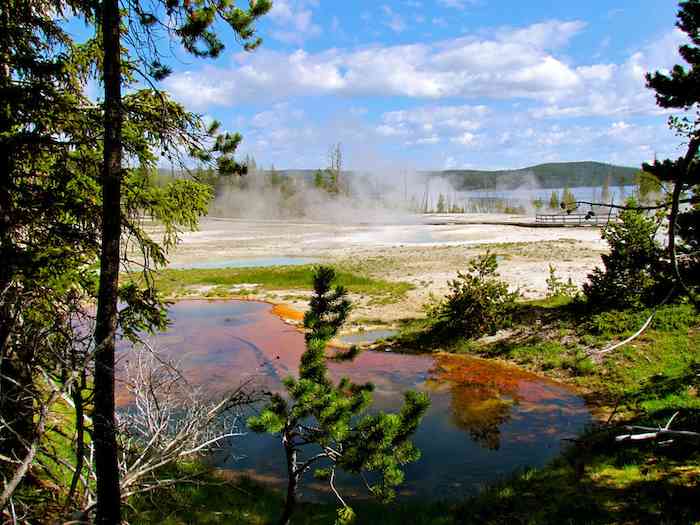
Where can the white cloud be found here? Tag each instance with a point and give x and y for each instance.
(501, 66)
(433, 124)
(551, 34)
(512, 95)
(432, 139)
(465, 139)
(617, 90)
(294, 19)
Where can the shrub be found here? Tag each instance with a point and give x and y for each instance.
(478, 303)
(557, 287)
(634, 272)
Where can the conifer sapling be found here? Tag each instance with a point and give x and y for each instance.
(323, 424)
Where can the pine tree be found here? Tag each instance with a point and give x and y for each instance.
(320, 413)
(568, 199)
(319, 180)
(554, 201)
(679, 90)
(48, 218)
(50, 196)
(441, 204)
(192, 24)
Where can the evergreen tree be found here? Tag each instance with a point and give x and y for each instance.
(319, 180)
(321, 414)
(679, 90)
(275, 177)
(568, 199)
(335, 167)
(554, 201)
(50, 204)
(441, 204)
(647, 185)
(48, 215)
(192, 23)
(631, 277)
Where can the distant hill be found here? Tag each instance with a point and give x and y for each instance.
(552, 175)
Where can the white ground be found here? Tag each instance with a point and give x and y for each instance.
(427, 252)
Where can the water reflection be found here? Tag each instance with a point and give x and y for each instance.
(485, 420)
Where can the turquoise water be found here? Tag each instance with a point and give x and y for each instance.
(368, 336)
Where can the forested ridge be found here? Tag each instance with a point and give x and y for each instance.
(547, 176)
(542, 176)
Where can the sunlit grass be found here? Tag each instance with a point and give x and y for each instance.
(229, 282)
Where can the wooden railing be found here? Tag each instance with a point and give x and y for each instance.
(574, 219)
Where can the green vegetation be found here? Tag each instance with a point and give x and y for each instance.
(79, 176)
(478, 302)
(183, 283)
(334, 418)
(215, 500)
(553, 175)
(568, 199)
(645, 382)
(635, 273)
(556, 287)
(614, 486)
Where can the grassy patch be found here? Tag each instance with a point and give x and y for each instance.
(619, 485)
(227, 282)
(616, 486)
(216, 501)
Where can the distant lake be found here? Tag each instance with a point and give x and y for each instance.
(583, 193)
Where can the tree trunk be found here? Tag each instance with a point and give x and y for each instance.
(292, 482)
(106, 465)
(690, 155)
(78, 401)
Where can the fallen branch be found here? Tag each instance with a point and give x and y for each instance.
(638, 332)
(651, 433)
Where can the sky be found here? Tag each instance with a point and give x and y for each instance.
(443, 84)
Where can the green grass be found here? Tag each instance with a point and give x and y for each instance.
(245, 502)
(624, 486)
(183, 283)
(619, 485)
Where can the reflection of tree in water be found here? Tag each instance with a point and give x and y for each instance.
(482, 395)
(480, 411)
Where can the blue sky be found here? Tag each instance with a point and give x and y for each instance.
(443, 83)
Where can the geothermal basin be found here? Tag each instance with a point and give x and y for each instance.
(486, 420)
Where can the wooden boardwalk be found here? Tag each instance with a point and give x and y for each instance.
(574, 219)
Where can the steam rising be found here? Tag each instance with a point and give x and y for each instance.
(388, 198)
